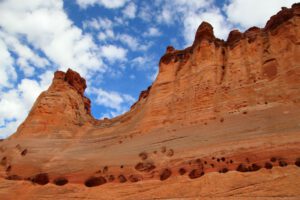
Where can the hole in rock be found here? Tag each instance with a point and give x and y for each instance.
(60, 181)
(165, 174)
(282, 163)
(143, 155)
(8, 169)
(111, 178)
(255, 167)
(41, 179)
(181, 171)
(242, 168)
(196, 173)
(273, 159)
(297, 163)
(170, 153)
(122, 178)
(105, 169)
(14, 177)
(3, 161)
(224, 170)
(134, 178)
(95, 181)
(24, 152)
(268, 165)
(144, 167)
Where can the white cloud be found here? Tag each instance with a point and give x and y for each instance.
(213, 16)
(144, 62)
(130, 41)
(249, 13)
(97, 24)
(133, 43)
(153, 75)
(166, 15)
(190, 14)
(7, 72)
(105, 35)
(37, 34)
(152, 32)
(16, 103)
(26, 58)
(45, 26)
(176, 10)
(139, 61)
(145, 12)
(113, 53)
(111, 4)
(130, 10)
(113, 100)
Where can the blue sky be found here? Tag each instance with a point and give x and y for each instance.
(115, 44)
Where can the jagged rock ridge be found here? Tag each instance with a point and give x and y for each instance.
(215, 107)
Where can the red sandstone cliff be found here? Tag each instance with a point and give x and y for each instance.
(215, 107)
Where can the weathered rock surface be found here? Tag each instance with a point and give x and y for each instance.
(221, 121)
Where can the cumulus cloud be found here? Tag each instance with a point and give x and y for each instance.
(97, 24)
(152, 32)
(16, 103)
(213, 16)
(113, 53)
(26, 58)
(130, 10)
(145, 12)
(190, 14)
(249, 13)
(111, 4)
(45, 26)
(7, 72)
(119, 103)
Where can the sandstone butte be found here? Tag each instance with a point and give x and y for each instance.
(221, 121)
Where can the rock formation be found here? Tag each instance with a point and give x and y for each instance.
(220, 121)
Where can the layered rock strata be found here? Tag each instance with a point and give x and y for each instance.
(221, 120)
